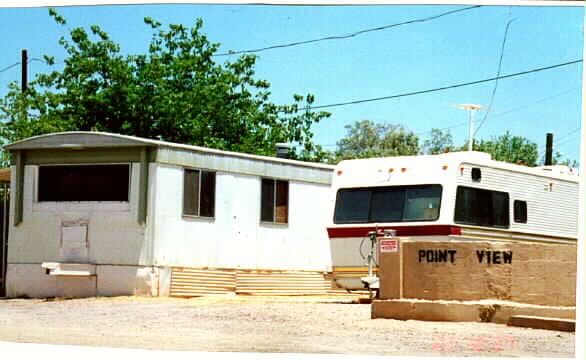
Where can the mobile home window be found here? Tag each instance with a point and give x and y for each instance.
(482, 207)
(388, 204)
(274, 202)
(108, 182)
(199, 193)
(520, 211)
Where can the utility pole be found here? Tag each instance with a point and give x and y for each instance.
(24, 67)
(472, 108)
(548, 149)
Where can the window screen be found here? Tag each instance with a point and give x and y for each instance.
(482, 207)
(199, 193)
(388, 204)
(520, 211)
(274, 202)
(84, 183)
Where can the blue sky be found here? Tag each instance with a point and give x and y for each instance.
(458, 48)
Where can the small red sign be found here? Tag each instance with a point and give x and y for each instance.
(389, 245)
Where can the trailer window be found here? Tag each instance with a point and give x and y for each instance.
(388, 204)
(482, 207)
(84, 183)
(274, 202)
(199, 193)
(520, 211)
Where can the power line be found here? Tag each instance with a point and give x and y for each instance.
(340, 37)
(420, 92)
(505, 112)
(567, 137)
(498, 114)
(562, 140)
(18, 63)
(498, 73)
(541, 148)
(539, 101)
(476, 82)
(567, 141)
(9, 67)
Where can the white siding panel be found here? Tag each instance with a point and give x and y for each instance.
(235, 237)
(302, 244)
(548, 212)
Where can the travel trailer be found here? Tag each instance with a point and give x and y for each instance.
(464, 196)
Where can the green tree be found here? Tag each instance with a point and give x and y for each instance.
(509, 148)
(365, 139)
(176, 91)
(439, 142)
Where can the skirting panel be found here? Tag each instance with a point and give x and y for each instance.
(191, 282)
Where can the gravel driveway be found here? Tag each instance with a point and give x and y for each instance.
(262, 324)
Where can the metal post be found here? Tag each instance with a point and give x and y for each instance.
(372, 236)
(371, 280)
(470, 129)
(471, 112)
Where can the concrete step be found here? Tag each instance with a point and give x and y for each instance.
(539, 322)
(495, 311)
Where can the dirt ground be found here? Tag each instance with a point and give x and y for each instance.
(262, 324)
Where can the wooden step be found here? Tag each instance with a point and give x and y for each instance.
(547, 323)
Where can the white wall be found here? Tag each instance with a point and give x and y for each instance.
(114, 235)
(126, 280)
(236, 237)
(30, 280)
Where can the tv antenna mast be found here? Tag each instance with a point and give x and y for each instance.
(472, 108)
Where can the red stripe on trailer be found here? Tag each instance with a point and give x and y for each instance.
(415, 230)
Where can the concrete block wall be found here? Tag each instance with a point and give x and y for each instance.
(532, 273)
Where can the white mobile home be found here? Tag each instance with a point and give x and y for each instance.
(105, 214)
(459, 196)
